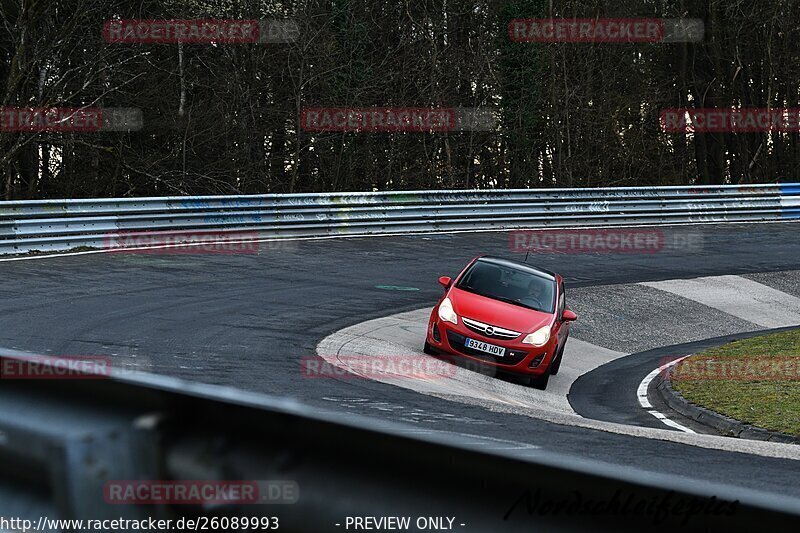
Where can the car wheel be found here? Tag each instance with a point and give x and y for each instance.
(540, 382)
(557, 363)
(428, 349)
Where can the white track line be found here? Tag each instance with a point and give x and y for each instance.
(132, 251)
(641, 393)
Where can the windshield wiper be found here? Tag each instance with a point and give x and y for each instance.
(512, 302)
(499, 298)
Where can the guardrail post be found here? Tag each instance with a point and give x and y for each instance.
(74, 450)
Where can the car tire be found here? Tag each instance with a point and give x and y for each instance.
(428, 349)
(540, 383)
(557, 362)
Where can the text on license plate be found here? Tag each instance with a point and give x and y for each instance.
(499, 351)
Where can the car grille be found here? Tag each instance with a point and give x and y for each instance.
(457, 342)
(487, 330)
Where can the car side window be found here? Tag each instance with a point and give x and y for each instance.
(561, 300)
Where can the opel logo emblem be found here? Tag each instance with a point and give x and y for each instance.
(490, 330)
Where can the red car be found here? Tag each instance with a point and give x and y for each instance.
(509, 315)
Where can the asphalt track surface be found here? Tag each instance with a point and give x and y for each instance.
(248, 321)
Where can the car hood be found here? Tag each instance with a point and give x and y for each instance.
(497, 313)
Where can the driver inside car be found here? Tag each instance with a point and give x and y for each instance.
(535, 295)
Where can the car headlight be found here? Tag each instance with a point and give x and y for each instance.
(446, 312)
(538, 337)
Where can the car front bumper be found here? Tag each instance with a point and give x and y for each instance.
(519, 359)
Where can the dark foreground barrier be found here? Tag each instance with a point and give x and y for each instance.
(91, 445)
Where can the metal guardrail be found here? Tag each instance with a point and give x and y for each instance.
(61, 441)
(56, 225)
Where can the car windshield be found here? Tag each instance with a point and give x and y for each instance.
(510, 285)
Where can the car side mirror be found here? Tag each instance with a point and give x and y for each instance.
(569, 316)
(445, 281)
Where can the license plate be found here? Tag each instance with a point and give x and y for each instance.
(485, 347)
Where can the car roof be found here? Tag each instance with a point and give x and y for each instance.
(519, 266)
